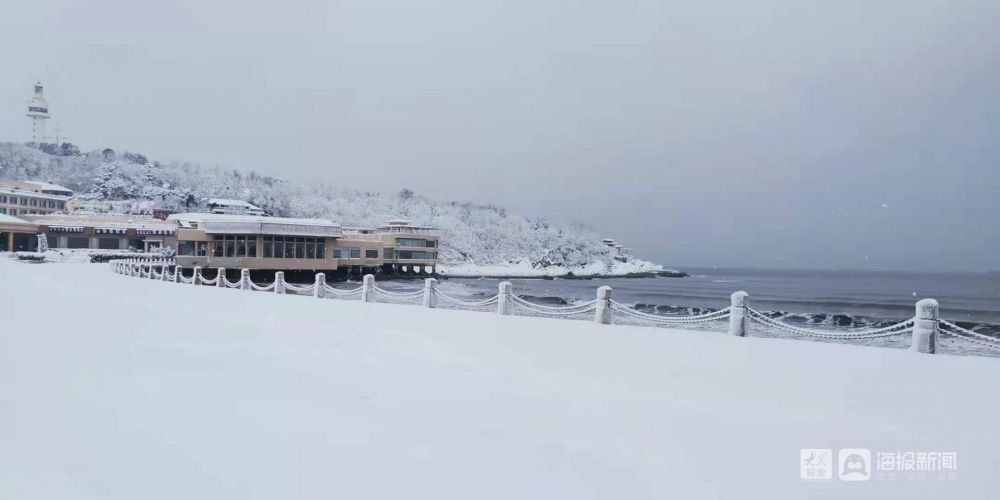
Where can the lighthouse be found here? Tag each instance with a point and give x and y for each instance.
(38, 111)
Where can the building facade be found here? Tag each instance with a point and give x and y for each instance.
(83, 232)
(275, 243)
(31, 198)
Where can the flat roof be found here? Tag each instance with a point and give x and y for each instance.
(256, 224)
(98, 221)
(33, 194)
(6, 219)
(233, 203)
(48, 185)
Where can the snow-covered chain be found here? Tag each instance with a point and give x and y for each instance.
(923, 328)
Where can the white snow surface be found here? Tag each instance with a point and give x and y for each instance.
(114, 387)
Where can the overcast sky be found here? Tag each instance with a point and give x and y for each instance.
(849, 134)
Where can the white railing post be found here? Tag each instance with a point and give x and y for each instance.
(738, 313)
(165, 275)
(279, 282)
(245, 279)
(503, 298)
(196, 276)
(925, 327)
(602, 314)
(177, 274)
(320, 283)
(366, 287)
(430, 293)
(220, 278)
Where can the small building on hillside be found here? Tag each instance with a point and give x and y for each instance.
(233, 207)
(29, 198)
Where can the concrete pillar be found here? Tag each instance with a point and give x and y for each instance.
(738, 313)
(197, 276)
(220, 278)
(503, 302)
(279, 282)
(245, 279)
(430, 292)
(366, 287)
(925, 327)
(177, 274)
(320, 283)
(602, 314)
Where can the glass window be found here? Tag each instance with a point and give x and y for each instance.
(321, 249)
(202, 248)
(52, 241)
(300, 248)
(386, 253)
(241, 246)
(107, 243)
(355, 253)
(24, 201)
(230, 246)
(279, 248)
(338, 253)
(268, 243)
(251, 246)
(310, 248)
(289, 248)
(185, 248)
(219, 247)
(77, 242)
(371, 254)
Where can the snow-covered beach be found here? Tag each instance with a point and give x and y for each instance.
(116, 387)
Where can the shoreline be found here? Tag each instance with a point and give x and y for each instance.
(567, 276)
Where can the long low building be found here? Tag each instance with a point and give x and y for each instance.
(104, 232)
(276, 243)
(237, 241)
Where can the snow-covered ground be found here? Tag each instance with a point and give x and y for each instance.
(114, 387)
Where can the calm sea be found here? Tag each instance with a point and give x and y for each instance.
(969, 297)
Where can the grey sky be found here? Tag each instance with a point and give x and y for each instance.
(850, 134)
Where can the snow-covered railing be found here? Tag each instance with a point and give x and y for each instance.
(923, 328)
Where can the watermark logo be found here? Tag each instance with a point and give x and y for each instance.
(816, 463)
(855, 464)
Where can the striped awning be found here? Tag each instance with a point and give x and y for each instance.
(66, 229)
(110, 230)
(157, 232)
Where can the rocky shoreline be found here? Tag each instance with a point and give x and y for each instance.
(569, 276)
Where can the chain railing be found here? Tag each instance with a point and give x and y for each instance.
(923, 328)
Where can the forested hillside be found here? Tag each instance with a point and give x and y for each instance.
(472, 235)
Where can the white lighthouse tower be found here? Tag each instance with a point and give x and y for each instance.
(38, 111)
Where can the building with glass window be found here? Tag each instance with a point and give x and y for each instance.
(285, 244)
(408, 247)
(19, 198)
(104, 232)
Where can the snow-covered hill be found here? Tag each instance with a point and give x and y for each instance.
(476, 239)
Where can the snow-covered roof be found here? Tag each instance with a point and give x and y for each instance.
(233, 203)
(64, 220)
(48, 186)
(32, 194)
(256, 224)
(6, 219)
